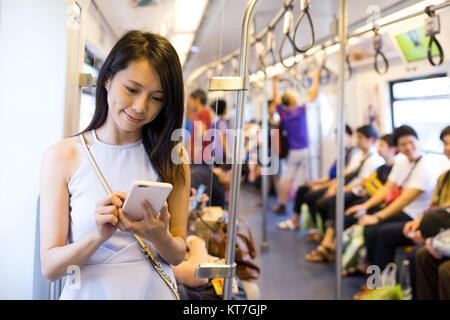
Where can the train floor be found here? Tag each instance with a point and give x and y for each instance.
(285, 274)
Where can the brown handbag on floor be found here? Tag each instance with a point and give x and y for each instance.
(245, 252)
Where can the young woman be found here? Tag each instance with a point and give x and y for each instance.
(139, 103)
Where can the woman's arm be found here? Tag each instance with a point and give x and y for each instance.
(312, 93)
(172, 248)
(185, 271)
(56, 255)
(275, 89)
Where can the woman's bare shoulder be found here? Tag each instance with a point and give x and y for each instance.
(65, 155)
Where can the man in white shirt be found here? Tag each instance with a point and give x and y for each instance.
(366, 162)
(416, 175)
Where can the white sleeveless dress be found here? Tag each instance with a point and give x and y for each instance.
(118, 269)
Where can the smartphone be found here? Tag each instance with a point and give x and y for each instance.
(200, 191)
(155, 193)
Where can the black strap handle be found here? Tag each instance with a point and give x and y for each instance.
(286, 35)
(385, 62)
(271, 46)
(441, 51)
(304, 12)
(349, 67)
(433, 39)
(377, 44)
(323, 68)
(260, 62)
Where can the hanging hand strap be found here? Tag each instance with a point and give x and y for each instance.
(349, 67)
(432, 25)
(377, 44)
(325, 79)
(305, 7)
(155, 263)
(287, 26)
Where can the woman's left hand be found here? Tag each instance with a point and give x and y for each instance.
(153, 227)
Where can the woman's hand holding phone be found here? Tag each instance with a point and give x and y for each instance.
(107, 216)
(153, 227)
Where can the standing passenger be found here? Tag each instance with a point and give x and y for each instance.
(139, 104)
(201, 122)
(293, 120)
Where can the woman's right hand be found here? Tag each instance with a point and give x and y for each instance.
(107, 217)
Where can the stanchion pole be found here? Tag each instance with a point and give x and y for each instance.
(239, 84)
(341, 150)
(264, 164)
(237, 147)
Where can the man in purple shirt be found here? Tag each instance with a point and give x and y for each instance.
(293, 120)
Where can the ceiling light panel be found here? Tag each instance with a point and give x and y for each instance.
(188, 14)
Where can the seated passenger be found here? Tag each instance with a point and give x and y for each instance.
(369, 160)
(204, 174)
(313, 190)
(433, 264)
(371, 185)
(189, 286)
(440, 199)
(192, 288)
(416, 175)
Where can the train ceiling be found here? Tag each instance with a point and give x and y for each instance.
(218, 29)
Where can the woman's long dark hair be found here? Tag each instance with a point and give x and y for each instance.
(156, 135)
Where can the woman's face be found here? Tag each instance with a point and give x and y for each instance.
(135, 95)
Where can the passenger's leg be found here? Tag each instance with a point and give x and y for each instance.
(389, 237)
(444, 280)
(427, 275)
(294, 221)
(311, 199)
(411, 256)
(294, 162)
(285, 189)
(370, 238)
(326, 248)
(285, 185)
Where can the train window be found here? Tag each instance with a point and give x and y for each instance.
(87, 104)
(422, 103)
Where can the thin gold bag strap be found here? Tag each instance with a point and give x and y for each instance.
(155, 263)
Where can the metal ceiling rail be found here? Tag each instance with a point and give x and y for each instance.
(235, 53)
(332, 42)
(326, 43)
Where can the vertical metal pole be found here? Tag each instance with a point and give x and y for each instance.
(264, 162)
(341, 151)
(320, 169)
(237, 148)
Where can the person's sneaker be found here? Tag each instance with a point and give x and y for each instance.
(279, 209)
